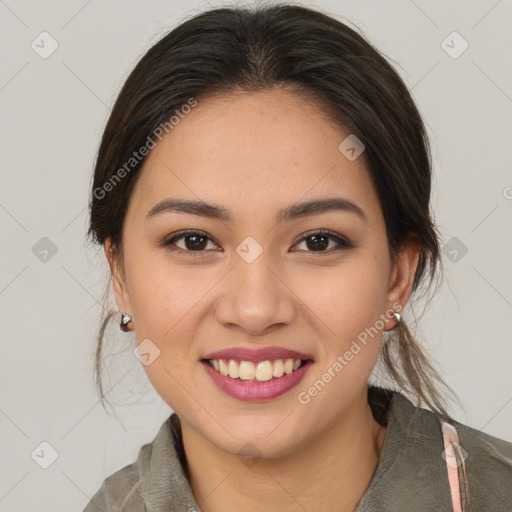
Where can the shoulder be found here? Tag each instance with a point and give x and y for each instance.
(493, 449)
(120, 492)
(488, 462)
(412, 466)
(156, 481)
(129, 488)
(487, 459)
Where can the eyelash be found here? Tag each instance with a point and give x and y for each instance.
(342, 243)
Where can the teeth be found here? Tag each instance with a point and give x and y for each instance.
(278, 370)
(262, 371)
(223, 368)
(246, 369)
(233, 369)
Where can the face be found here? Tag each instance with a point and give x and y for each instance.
(262, 275)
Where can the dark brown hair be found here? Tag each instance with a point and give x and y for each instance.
(228, 50)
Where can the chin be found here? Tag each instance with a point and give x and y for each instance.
(266, 442)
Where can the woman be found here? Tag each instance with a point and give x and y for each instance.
(262, 196)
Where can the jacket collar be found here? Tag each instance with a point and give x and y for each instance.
(163, 480)
(411, 472)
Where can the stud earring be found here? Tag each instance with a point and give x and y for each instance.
(398, 319)
(125, 320)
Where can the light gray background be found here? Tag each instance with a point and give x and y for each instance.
(53, 112)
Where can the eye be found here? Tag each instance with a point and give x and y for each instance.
(318, 241)
(197, 242)
(194, 241)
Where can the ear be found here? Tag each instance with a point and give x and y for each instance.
(402, 275)
(118, 278)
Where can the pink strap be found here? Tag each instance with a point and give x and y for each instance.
(451, 443)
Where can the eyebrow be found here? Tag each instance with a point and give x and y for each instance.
(289, 213)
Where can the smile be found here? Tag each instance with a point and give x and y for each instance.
(261, 371)
(256, 382)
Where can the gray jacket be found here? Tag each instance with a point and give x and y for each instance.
(411, 473)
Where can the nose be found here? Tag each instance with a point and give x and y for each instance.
(256, 298)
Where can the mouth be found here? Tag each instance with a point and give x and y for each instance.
(256, 375)
(256, 371)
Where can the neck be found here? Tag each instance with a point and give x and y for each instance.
(315, 477)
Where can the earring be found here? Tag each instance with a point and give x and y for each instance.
(125, 320)
(398, 319)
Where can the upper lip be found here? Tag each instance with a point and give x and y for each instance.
(257, 354)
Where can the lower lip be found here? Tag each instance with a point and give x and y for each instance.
(257, 391)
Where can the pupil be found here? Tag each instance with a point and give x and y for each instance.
(319, 242)
(196, 242)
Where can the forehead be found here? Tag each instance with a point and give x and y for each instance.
(253, 150)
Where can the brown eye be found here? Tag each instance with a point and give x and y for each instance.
(319, 241)
(197, 242)
(192, 241)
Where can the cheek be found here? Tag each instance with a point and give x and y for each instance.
(349, 297)
(165, 307)
(349, 300)
(163, 295)
(163, 300)
(350, 306)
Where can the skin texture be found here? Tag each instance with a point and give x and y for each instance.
(256, 153)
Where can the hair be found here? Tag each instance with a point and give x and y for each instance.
(224, 51)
